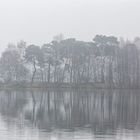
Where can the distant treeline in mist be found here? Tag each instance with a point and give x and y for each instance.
(105, 60)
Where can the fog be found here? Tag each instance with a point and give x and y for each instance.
(69, 69)
(37, 21)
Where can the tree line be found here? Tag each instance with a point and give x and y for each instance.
(105, 60)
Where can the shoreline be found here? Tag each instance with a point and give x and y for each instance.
(62, 86)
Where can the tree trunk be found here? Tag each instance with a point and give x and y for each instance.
(33, 76)
(49, 67)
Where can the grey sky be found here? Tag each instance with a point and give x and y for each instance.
(37, 21)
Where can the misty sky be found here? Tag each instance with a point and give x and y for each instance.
(37, 21)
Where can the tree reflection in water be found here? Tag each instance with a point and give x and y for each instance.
(103, 112)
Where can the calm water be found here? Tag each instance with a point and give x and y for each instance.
(68, 115)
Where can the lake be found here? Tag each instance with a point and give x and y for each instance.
(70, 114)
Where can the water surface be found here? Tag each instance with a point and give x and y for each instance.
(70, 114)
